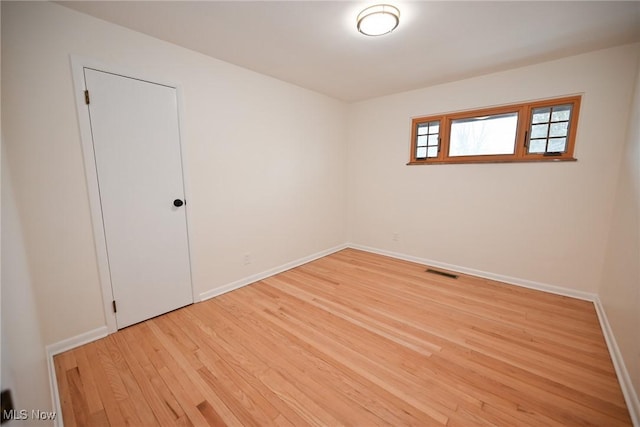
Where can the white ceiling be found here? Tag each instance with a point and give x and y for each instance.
(314, 44)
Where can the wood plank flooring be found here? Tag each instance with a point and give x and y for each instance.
(352, 339)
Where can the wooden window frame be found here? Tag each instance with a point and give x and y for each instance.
(520, 154)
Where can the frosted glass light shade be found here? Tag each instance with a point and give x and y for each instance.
(378, 20)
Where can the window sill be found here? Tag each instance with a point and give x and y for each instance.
(463, 161)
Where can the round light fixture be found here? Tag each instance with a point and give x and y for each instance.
(378, 20)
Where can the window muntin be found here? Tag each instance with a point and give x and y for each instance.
(535, 131)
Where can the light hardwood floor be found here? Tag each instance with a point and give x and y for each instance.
(352, 339)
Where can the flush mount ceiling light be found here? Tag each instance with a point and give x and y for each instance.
(378, 20)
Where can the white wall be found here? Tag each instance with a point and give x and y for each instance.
(267, 164)
(543, 222)
(24, 368)
(265, 160)
(620, 283)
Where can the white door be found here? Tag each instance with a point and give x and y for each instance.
(136, 142)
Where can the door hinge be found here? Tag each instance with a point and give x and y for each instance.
(115, 309)
(86, 97)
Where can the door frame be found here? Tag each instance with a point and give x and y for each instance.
(78, 64)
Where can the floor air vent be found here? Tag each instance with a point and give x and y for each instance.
(442, 273)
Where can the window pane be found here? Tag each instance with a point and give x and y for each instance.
(559, 129)
(433, 152)
(434, 127)
(539, 131)
(541, 115)
(422, 140)
(483, 135)
(433, 139)
(423, 129)
(561, 112)
(421, 153)
(557, 145)
(537, 145)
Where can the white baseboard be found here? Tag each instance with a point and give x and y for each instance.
(624, 378)
(629, 392)
(558, 290)
(103, 331)
(77, 341)
(61, 347)
(630, 396)
(263, 275)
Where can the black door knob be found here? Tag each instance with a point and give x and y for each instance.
(177, 203)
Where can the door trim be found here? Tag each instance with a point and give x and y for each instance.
(78, 63)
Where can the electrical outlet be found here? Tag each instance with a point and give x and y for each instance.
(395, 237)
(247, 259)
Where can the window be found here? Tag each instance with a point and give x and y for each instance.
(549, 129)
(428, 140)
(535, 131)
